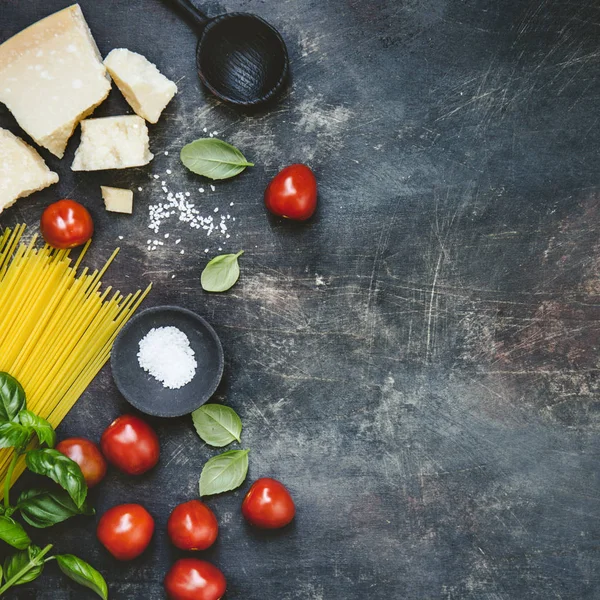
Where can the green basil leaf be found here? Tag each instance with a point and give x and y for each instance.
(12, 397)
(83, 573)
(61, 469)
(213, 158)
(221, 273)
(13, 533)
(14, 435)
(42, 428)
(44, 508)
(224, 472)
(217, 425)
(19, 561)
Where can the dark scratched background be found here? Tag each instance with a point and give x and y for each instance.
(419, 363)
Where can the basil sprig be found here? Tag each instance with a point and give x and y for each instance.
(39, 508)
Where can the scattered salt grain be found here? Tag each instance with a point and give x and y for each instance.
(156, 177)
(231, 204)
(182, 252)
(201, 190)
(205, 130)
(216, 209)
(139, 189)
(120, 237)
(213, 188)
(205, 250)
(177, 241)
(166, 153)
(169, 171)
(166, 236)
(165, 353)
(215, 133)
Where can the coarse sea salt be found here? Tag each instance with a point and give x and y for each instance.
(166, 354)
(171, 208)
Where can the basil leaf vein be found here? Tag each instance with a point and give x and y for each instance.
(19, 561)
(217, 425)
(221, 273)
(14, 435)
(12, 397)
(13, 533)
(213, 158)
(82, 573)
(41, 427)
(224, 472)
(61, 469)
(43, 508)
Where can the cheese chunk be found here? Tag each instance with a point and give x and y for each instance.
(52, 76)
(22, 170)
(146, 89)
(112, 143)
(117, 199)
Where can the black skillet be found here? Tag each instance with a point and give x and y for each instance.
(240, 57)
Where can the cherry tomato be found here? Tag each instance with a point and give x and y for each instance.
(125, 530)
(87, 455)
(292, 193)
(131, 445)
(193, 526)
(66, 224)
(193, 579)
(268, 504)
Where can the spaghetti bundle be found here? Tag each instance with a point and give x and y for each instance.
(56, 326)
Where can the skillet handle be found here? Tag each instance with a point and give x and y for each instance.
(189, 12)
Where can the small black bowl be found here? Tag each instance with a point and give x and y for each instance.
(146, 393)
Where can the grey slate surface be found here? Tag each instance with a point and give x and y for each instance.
(419, 363)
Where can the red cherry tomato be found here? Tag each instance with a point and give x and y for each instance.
(66, 224)
(193, 579)
(125, 530)
(193, 526)
(268, 504)
(292, 193)
(131, 445)
(87, 455)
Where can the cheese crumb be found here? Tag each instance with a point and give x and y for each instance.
(112, 143)
(146, 89)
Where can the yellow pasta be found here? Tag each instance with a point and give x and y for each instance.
(56, 328)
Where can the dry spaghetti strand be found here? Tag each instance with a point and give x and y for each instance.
(56, 326)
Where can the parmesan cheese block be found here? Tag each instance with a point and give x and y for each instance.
(22, 170)
(52, 76)
(146, 89)
(112, 143)
(117, 199)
